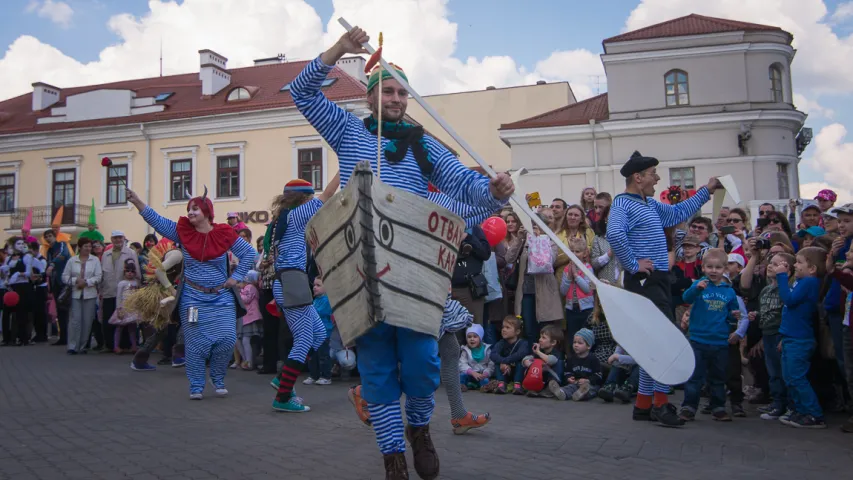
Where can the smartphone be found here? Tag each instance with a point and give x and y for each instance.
(763, 222)
(727, 230)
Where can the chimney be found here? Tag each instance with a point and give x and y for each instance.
(281, 58)
(354, 67)
(490, 87)
(213, 75)
(541, 82)
(44, 95)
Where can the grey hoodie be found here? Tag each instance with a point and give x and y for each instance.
(467, 362)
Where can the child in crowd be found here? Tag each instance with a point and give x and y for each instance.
(734, 265)
(250, 326)
(121, 318)
(713, 301)
(686, 270)
(320, 363)
(583, 371)
(548, 349)
(807, 236)
(769, 318)
(623, 379)
(737, 353)
(798, 338)
(577, 289)
(475, 366)
(507, 355)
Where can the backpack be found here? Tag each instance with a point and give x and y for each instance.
(534, 379)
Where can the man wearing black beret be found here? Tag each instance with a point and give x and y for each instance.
(635, 230)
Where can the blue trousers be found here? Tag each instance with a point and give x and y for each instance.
(773, 361)
(201, 346)
(796, 359)
(395, 360)
(465, 379)
(711, 363)
(516, 373)
(320, 364)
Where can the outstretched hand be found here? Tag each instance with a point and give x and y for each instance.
(501, 187)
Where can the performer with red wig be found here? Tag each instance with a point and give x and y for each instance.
(207, 301)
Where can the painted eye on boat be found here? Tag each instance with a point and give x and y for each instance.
(386, 232)
(349, 236)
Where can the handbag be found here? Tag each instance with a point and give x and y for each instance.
(534, 380)
(63, 300)
(539, 257)
(478, 285)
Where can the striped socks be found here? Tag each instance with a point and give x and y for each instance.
(419, 410)
(448, 349)
(289, 372)
(388, 425)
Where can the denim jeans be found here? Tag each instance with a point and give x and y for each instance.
(320, 363)
(531, 326)
(516, 372)
(619, 376)
(492, 333)
(711, 363)
(575, 320)
(773, 361)
(465, 379)
(796, 359)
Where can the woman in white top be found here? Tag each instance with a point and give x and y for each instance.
(82, 273)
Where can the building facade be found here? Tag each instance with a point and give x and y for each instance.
(706, 96)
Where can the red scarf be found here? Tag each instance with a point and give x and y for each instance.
(205, 246)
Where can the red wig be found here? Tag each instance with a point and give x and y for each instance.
(204, 204)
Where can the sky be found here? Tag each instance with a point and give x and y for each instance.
(444, 45)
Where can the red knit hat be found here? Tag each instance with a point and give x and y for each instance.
(299, 185)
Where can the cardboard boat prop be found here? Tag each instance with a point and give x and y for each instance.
(386, 255)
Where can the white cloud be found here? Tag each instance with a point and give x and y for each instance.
(812, 107)
(831, 155)
(843, 12)
(809, 190)
(418, 36)
(822, 64)
(59, 13)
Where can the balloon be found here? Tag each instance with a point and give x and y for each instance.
(495, 230)
(272, 308)
(11, 299)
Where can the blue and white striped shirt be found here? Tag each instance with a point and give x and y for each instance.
(291, 250)
(635, 227)
(353, 143)
(455, 317)
(472, 215)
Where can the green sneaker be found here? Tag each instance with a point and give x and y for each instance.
(275, 383)
(292, 406)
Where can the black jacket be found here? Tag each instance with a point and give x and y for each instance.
(471, 263)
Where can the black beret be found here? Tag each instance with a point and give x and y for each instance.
(637, 163)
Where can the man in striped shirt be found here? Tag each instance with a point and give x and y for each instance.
(393, 360)
(636, 233)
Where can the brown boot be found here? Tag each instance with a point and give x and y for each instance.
(426, 458)
(395, 467)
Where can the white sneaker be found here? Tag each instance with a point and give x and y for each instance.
(233, 365)
(323, 381)
(221, 392)
(309, 381)
(196, 396)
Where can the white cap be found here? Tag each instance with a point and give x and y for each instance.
(846, 208)
(736, 258)
(117, 233)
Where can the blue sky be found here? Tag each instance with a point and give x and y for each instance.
(528, 32)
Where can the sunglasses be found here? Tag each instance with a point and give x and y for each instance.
(763, 213)
(734, 220)
(775, 221)
(698, 227)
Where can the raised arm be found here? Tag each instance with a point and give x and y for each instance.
(671, 215)
(460, 182)
(617, 237)
(162, 225)
(244, 251)
(793, 297)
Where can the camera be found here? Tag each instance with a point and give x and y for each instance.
(762, 244)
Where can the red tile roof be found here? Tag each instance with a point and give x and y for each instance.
(580, 113)
(690, 25)
(265, 81)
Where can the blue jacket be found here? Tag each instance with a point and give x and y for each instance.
(710, 313)
(801, 304)
(324, 310)
(833, 300)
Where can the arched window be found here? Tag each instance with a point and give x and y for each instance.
(776, 89)
(676, 88)
(238, 94)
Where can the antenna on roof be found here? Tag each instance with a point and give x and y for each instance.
(597, 80)
(161, 55)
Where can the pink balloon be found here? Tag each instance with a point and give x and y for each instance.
(495, 230)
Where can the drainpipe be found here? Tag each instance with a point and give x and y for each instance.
(594, 153)
(148, 228)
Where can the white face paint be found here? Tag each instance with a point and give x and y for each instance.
(21, 246)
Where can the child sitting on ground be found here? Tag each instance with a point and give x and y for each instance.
(713, 301)
(320, 362)
(583, 371)
(623, 379)
(507, 355)
(547, 350)
(798, 338)
(475, 366)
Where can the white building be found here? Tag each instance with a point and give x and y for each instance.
(705, 96)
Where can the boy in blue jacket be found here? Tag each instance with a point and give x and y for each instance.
(798, 338)
(507, 355)
(713, 302)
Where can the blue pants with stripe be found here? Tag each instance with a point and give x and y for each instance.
(308, 330)
(213, 337)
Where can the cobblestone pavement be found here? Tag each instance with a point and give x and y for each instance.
(92, 417)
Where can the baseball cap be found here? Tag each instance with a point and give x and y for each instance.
(690, 239)
(829, 214)
(847, 208)
(736, 258)
(826, 194)
(117, 233)
(232, 215)
(813, 231)
(807, 207)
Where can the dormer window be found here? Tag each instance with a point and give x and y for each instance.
(776, 84)
(676, 88)
(239, 93)
(326, 83)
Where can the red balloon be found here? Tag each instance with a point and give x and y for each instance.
(272, 308)
(495, 230)
(11, 299)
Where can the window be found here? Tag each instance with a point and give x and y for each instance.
(181, 174)
(676, 88)
(327, 82)
(776, 83)
(163, 96)
(7, 193)
(238, 94)
(64, 192)
(116, 181)
(683, 177)
(228, 176)
(311, 166)
(782, 180)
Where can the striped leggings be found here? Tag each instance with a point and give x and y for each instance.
(388, 421)
(308, 330)
(199, 348)
(648, 385)
(448, 351)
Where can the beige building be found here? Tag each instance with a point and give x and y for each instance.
(705, 96)
(234, 130)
